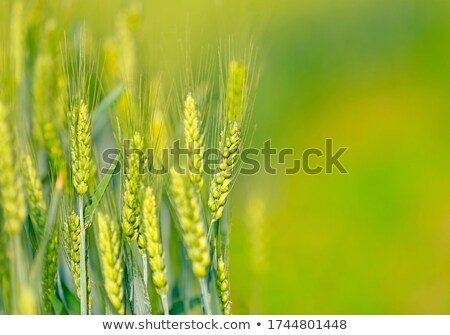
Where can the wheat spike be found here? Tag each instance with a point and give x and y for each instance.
(81, 148)
(49, 276)
(154, 248)
(13, 200)
(220, 186)
(188, 206)
(110, 248)
(34, 195)
(194, 141)
(131, 211)
(223, 286)
(72, 233)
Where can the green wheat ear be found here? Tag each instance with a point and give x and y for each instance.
(80, 128)
(220, 186)
(38, 213)
(34, 195)
(223, 286)
(72, 241)
(49, 279)
(155, 252)
(188, 206)
(13, 199)
(131, 211)
(194, 141)
(110, 248)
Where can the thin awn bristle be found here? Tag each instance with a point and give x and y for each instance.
(194, 141)
(154, 248)
(223, 286)
(236, 92)
(187, 204)
(110, 248)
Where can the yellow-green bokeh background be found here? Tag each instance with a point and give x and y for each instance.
(375, 77)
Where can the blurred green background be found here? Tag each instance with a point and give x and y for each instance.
(372, 75)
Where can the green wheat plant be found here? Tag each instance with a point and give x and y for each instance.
(96, 216)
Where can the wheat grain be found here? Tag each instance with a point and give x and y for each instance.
(110, 248)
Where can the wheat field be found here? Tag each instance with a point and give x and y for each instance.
(85, 85)
(84, 236)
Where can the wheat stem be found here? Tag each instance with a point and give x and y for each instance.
(205, 296)
(145, 269)
(165, 304)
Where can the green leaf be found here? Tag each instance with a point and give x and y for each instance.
(178, 306)
(136, 290)
(100, 190)
(58, 306)
(70, 301)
